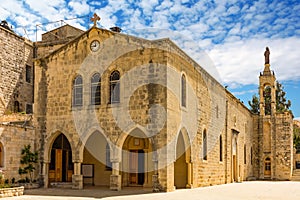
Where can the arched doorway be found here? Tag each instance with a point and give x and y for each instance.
(61, 166)
(137, 164)
(96, 164)
(235, 166)
(181, 172)
(267, 171)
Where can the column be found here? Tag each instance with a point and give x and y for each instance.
(115, 177)
(77, 178)
(45, 174)
(189, 171)
(155, 183)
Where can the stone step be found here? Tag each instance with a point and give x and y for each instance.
(295, 179)
(67, 185)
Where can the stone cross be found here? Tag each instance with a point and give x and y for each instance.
(95, 18)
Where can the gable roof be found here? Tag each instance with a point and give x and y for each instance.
(62, 32)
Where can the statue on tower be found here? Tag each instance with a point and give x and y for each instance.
(267, 56)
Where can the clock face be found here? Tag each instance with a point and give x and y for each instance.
(95, 45)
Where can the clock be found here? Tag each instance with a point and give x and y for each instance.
(95, 45)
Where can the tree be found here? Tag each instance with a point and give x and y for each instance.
(296, 138)
(282, 104)
(29, 159)
(254, 104)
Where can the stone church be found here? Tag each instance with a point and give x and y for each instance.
(109, 109)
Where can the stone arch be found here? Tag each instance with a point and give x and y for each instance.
(121, 139)
(50, 140)
(186, 140)
(93, 151)
(182, 164)
(61, 156)
(137, 161)
(84, 139)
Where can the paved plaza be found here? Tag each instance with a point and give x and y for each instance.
(247, 190)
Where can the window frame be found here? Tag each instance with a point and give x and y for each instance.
(28, 74)
(95, 90)
(204, 145)
(183, 91)
(77, 92)
(221, 148)
(114, 87)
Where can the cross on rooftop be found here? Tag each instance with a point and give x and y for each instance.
(95, 18)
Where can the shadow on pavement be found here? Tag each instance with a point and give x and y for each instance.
(88, 191)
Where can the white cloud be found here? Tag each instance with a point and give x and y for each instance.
(80, 7)
(240, 62)
(233, 10)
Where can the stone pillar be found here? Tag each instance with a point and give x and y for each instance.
(45, 174)
(115, 178)
(155, 182)
(77, 178)
(189, 173)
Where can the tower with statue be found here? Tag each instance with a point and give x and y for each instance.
(275, 129)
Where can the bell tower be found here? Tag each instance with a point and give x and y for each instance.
(267, 88)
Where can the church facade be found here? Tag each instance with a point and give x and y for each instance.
(115, 110)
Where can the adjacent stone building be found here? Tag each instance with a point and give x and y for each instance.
(115, 110)
(16, 100)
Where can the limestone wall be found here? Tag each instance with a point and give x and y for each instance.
(240, 123)
(13, 139)
(275, 141)
(54, 80)
(283, 146)
(17, 53)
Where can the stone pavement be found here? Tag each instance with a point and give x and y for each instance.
(253, 190)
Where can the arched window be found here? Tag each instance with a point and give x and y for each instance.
(108, 162)
(96, 89)
(77, 91)
(204, 145)
(221, 149)
(114, 87)
(183, 91)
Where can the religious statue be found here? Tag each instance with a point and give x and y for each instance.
(267, 56)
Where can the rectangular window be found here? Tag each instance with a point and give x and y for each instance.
(77, 101)
(114, 92)
(204, 145)
(251, 155)
(28, 108)
(28, 74)
(245, 154)
(95, 94)
(221, 149)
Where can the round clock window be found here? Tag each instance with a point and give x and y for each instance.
(95, 45)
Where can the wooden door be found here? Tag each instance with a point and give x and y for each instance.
(58, 165)
(133, 167)
(234, 168)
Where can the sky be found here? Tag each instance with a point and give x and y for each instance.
(226, 37)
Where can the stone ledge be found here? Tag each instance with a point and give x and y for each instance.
(10, 192)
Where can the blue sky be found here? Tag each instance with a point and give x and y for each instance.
(227, 38)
